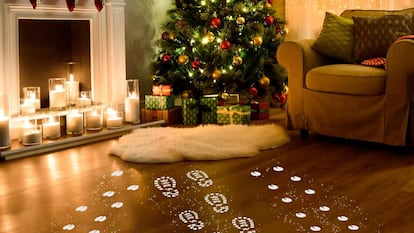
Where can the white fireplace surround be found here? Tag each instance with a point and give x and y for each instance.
(107, 27)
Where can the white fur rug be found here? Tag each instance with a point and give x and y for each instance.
(207, 142)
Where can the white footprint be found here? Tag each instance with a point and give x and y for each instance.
(200, 177)
(190, 218)
(167, 185)
(218, 201)
(244, 224)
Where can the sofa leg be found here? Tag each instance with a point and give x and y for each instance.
(304, 133)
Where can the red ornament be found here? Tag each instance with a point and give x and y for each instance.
(34, 3)
(281, 98)
(71, 4)
(269, 20)
(164, 35)
(99, 5)
(166, 58)
(215, 22)
(270, 1)
(195, 64)
(225, 44)
(253, 91)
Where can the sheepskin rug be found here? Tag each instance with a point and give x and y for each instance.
(206, 142)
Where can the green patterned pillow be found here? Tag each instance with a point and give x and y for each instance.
(374, 35)
(336, 38)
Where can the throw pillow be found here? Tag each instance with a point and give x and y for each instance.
(336, 38)
(374, 35)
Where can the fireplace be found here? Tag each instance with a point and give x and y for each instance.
(107, 69)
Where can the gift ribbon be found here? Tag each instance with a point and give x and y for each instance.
(231, 113)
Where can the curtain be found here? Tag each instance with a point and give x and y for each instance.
(305, 17)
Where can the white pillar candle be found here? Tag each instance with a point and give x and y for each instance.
(57, 98)
(27, 107)
(32, 93)
(113, 119)
(51, 128)
(94, 120)
(74, 123)
(72, 88)
(32, 136)
(132, 113)
(4, 131)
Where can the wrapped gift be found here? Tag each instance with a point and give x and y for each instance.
(159, 102)
(231, 99)
(162, 90)
(233, 114)
(207, 107)
(170, 116)
(260, 110)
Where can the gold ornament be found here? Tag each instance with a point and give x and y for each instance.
(237, 60)
(264, 81)
(171, 36)
(268, 5)
(210, 37)
(240, 20)
(257, 40)
(225, 95)
(183, 59)
(185, 94)
(217, 74)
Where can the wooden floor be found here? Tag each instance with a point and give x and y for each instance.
(333, 186)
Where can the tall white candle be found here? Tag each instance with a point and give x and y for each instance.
(132, 113)
(74, 123)
(4, 131)
(57, 97)
(93, 120)
(72, 87)
(51, 128)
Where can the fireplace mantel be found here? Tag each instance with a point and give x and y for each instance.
(108, 69)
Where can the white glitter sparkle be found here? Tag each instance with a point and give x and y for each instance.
(353, 227)
(273, 187)
(82, 208)
(69, 227)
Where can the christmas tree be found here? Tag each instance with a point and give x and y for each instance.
(221, 47)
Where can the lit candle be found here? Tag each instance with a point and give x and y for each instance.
(34, 99)
(93, 120)
(132, 109)
(72, 87)
(4, 130)
(74, 123)
(57, 97)
(51, 128)
(27, 107)
(84, 99)
(113, 119)
(32, 136)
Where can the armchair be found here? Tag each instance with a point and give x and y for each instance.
(350, 100)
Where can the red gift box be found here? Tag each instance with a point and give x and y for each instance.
(260, 110)
(162, 90)
(170, 116)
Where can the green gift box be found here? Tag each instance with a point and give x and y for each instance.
(159, 102)
(209, 114)
(207, 106)
(234, 114)
(189, 112)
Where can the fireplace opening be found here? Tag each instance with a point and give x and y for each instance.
(54, 49)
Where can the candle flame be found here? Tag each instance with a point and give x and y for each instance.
(59, 87)
(71, 78)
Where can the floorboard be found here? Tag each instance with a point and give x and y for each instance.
(333, 185)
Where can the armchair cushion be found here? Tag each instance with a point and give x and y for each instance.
(374, 35)
(336, 38)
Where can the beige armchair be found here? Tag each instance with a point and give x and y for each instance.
(350, 100)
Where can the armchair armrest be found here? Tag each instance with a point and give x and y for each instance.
(298, 58)
(399, 89)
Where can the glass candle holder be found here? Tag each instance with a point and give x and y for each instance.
(27, 107)
(114, 119)
(51, 127)
(84, 99)
(57, 94)
(32, 94)
(31, 133)
(94, 119)
(132, 105)
(72, 88)
(4, 122)
(74, 122)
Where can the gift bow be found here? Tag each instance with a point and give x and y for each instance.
(231, 112)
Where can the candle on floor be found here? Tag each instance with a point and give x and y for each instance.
(74, 123)
(72, 88)
(132, 105)
(94, 119)
(27, 107)
(113, 119)
(57, 93)
(51, 127)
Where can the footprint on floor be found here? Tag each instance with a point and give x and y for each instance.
(200, 177)
(167, 185)
(218, 201)
(244, 224)
(190, 217)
